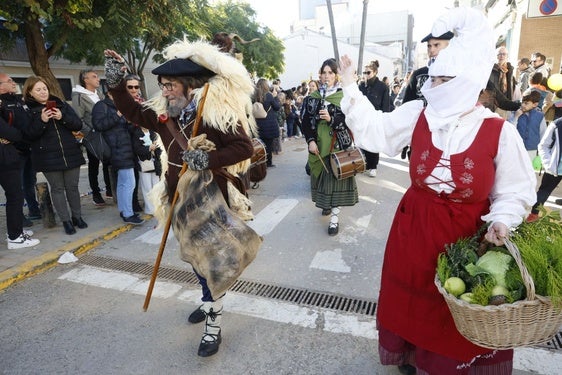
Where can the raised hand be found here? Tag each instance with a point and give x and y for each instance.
(347, 70)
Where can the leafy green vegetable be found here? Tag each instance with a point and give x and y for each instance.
(496, 264)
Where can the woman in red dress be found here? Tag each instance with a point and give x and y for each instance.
(467, 167)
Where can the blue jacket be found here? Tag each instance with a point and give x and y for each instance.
(529, 127)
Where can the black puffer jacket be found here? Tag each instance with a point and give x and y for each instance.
(53, 146)
(117, 133)
(269, 127)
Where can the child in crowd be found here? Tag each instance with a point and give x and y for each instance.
(530, 121)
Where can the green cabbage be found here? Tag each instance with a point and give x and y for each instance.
(493, 263)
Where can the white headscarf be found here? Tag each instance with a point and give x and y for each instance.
(469, 58)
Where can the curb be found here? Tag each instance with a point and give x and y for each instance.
(48, 260)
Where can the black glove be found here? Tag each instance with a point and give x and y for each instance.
(196, 160)
(113, 72)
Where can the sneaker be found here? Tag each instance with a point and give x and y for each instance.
(98, 200)
(108, 194)
(22, 241)
(558, 202)
(532, 218)
(133, 219)
(373, 173)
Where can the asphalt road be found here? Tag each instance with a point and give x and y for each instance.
(87, 318)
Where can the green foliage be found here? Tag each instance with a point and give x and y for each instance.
(540, 245)
(481, 293)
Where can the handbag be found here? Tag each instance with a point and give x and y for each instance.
(95, 143)
(258, 111)
(147, 165)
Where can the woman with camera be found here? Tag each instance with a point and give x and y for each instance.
(54, 149)
(324, 128)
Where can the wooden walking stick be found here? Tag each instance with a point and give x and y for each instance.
(172, 205)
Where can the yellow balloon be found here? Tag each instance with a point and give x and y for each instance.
(555, 82)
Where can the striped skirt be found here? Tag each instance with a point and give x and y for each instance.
(328, 192)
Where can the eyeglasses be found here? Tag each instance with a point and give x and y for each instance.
(367, 72)
(8, 81)
(130, 87)
(502, 54)
(167, 85)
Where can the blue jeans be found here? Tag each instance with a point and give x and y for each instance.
(125, 188)
(28, 181)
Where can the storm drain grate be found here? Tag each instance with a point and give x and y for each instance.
(266, 290)
(277, 292)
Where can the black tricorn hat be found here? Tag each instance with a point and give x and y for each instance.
(447, 36)
(181, 67)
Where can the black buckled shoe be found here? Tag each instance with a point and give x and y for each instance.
(209, 344)
(333, 229)
(80, 223)
(197, 316)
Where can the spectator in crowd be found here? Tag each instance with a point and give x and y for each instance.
(393, 94)
(291, 116)
(325, 131)
(525, 69)
(281, 121)
(117, 131)
(84, 96)
(550, 151)
(378, 94)
(418, 77)
(11, 165)
(530, 122)
(539, 64)
(146, 144)
(15, 113)
(54, 149)
(268, 127)
(503, 79)
(468, 167)
(537, 83)
(134, 88)
(313, 85)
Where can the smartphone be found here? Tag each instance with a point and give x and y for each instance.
(51, 104)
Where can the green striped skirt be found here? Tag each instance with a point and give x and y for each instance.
(328, 192)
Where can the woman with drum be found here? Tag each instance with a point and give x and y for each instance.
(325, 131)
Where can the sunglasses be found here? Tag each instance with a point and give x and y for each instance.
(133, 87)
(367, 72)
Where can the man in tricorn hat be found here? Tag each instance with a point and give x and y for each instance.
(172, 114)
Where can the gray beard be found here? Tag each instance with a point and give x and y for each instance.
(175, 110)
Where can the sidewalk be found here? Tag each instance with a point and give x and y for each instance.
(103, 222)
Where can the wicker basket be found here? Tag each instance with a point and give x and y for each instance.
(527, 322)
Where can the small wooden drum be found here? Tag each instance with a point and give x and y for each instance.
(347, 163)
(260, 155)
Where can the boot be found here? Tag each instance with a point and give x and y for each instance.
(68, 227)
(212, 334)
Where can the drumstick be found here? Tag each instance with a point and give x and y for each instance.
(322, 161)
